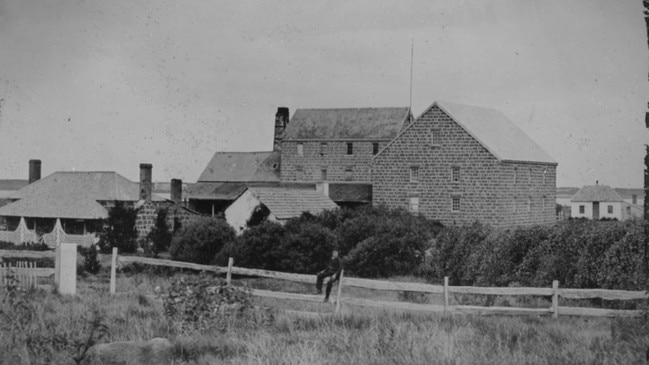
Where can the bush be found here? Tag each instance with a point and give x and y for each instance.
(119, 230)
(160, 235)
(91, 263)
(306, 247)
(199, 240)
(257, 247)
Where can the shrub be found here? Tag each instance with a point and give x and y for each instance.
(119, 230)
(257, 247)
(91, 263)
(622, 265)
(199, 240)
(160, 235)
(306, 247)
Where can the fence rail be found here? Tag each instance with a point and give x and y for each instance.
(446, 290)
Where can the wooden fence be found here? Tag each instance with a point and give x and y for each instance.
(445, 290)
(23, 273)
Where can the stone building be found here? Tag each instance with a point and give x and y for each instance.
(458, 164)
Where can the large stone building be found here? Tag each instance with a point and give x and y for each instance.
(459, 163)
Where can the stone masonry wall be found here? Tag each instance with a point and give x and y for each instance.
(147, 213)
(339, 165)
(486, 188)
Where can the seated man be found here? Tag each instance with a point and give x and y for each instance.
(332, 271)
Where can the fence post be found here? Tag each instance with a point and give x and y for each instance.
(339, 291)
(57, 266)
(445, 294)
(555, 298)
(68, 275)
(113, 271)
(228, 274)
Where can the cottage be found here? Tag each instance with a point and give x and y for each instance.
(602, 202)
(459, 163)
(275, 204)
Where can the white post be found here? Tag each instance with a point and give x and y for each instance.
(228, 275)
(57, 265)
(555, 298)
(68, 269)
(339, 291)
(113, 272)
(445, 294)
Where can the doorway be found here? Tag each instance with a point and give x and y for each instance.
(595, 211)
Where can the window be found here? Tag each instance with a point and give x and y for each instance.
(435, 138)
(582, 209)
(350, 148)
(628, 211)
(300, 149)
(349, 173)
(529, 176)
(323, 149)
(414, 174)
(514, 205)
(455, 174)
(414, 204)
(375, 148)
(299, 172)
(610, 209)
(634, 199)
(515, 175)
(455, 203)
(543, 201)
(545, 172)
(323, 174)
(529, 204)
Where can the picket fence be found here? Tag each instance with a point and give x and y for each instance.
(25, 274)
(555, 292)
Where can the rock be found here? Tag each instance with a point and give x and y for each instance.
(157, 351)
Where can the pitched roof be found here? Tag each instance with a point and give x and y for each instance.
(500, 136)
(242, 167)
(287, 203)
(629, 192)
(9, 186)
(215, 191)
(351, 123)
(596, 193)
(72, 195)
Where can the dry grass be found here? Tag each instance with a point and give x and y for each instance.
(362, 337)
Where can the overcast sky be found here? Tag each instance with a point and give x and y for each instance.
(106, 85)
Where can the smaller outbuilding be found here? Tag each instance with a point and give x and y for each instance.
(601, 202)
(277, 204)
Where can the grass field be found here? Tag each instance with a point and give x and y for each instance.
(45, 328)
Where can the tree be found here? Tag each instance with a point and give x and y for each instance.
(119, 230)
(160, 235)
(199, 240)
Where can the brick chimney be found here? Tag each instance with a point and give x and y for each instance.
(34, 170)
(146, 185)
(176, 191)
(281, 121)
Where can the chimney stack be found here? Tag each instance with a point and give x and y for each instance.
(34, 170)
(146, 185)
(281, 121)
(176, 191)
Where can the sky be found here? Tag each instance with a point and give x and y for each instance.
(93, 85)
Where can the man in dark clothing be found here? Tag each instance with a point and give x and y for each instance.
(333, 270)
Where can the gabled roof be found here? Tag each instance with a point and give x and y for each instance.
(72, 195)
(628, 193)
(242, 167)
(596, 193)
(500, 136)
(215, 191)
(350, 123)
(287, 203)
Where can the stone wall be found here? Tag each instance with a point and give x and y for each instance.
(147, 213)
(487, 189)
(339, 165)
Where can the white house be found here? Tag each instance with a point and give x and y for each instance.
(282, 203)
(602, 201)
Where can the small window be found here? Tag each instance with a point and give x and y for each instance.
(634, 199)
(610, 209)
(529, 204)
(545, 172)
(435, 138)
(375, 148)
(529, 176)
(456, 203)
(299, 172)
(349, 174)
(628, 210)
(323, 174)
(582, 209)
(455, 174)
(414, 174)
(414, 204)
(350, 148)
(300, 149)
(323, 149)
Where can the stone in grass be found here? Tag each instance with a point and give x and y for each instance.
(157, 351)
